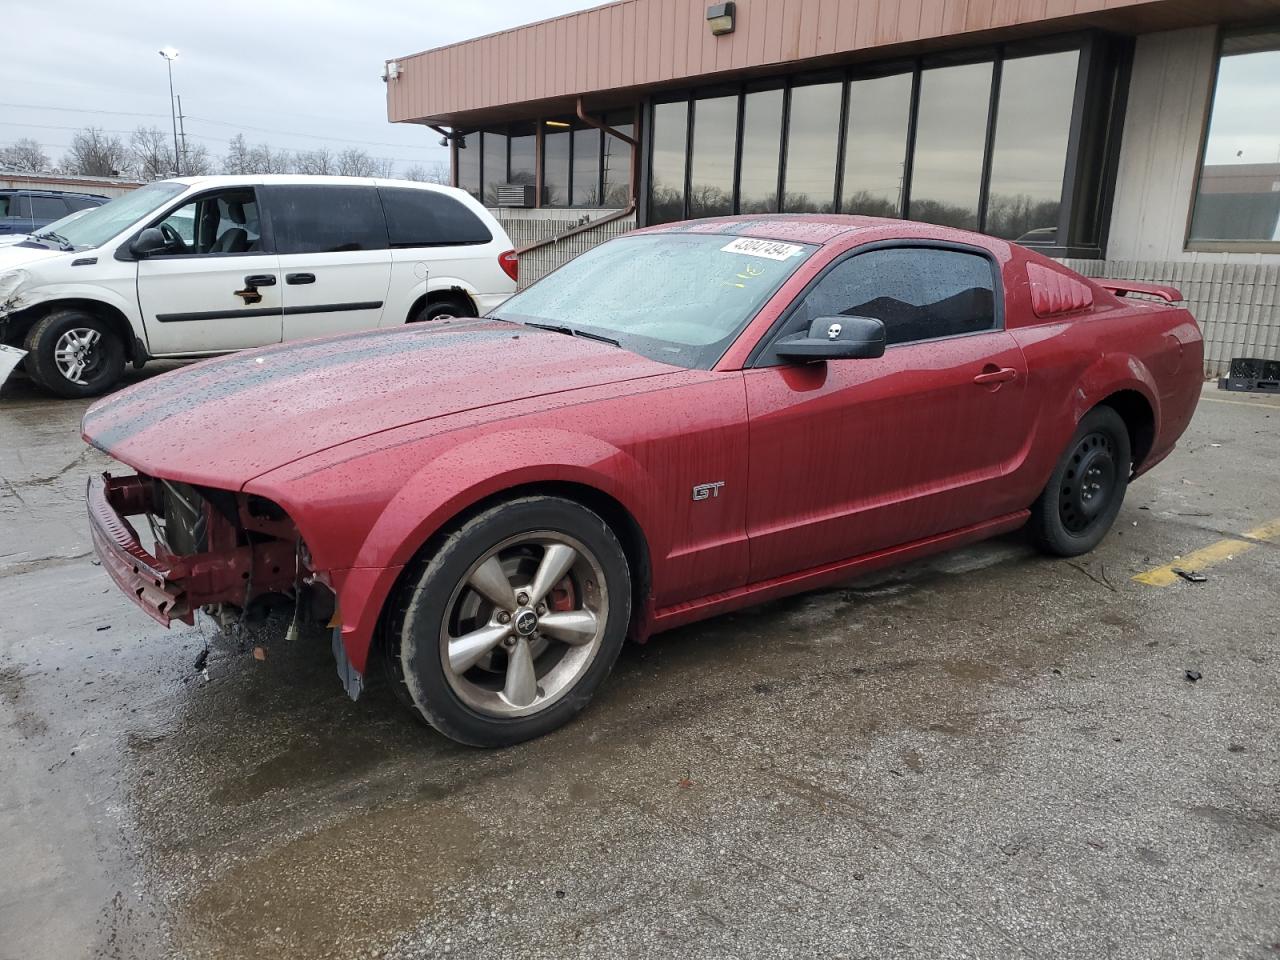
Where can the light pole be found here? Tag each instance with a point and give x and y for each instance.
(171, 55)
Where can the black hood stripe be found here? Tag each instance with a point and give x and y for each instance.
(177, 394)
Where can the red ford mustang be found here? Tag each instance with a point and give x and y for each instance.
(680, 422)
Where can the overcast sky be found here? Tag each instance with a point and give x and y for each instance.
(298, 74)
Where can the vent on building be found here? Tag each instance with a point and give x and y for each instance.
(516, 194)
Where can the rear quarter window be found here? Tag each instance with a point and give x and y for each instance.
(426, 218)
(318, 218)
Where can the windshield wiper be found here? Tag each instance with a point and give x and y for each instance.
(596, 336)
(55, 237)
(559, 328)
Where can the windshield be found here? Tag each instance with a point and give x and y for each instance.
(680, 298)
(96, 225)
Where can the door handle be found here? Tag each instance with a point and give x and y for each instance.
(296, 278)
(260, 280)
(992, 374)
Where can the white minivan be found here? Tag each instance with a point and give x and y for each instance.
(197, 266)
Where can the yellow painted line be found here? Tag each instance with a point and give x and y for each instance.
(1242, 403)
(1213, 554)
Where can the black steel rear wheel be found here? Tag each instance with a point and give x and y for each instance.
(1083, 497)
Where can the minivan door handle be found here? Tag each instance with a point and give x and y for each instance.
(260, 280)
(296, 278)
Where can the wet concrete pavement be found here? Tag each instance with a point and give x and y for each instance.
(989, 754)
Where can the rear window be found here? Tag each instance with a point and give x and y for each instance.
(426, 218)
(4, 204)
(48, 208)
(318, 218)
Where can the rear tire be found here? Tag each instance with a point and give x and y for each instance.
(445, 308)
(74, 354)
(506, 629)
(1085, 492)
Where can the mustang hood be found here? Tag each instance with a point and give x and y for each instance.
(225, 421)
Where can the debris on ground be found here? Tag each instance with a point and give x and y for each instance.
(202, 658)
(1192, 576)
(1193, 675)
(105, 626)
(259, 653)
(1103, 581)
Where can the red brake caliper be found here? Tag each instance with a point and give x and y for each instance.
(562, 596)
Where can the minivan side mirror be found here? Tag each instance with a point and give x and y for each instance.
(835, 338)
(150, 242)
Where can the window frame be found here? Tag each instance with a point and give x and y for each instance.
(1190, 245)
(1093, 139)
(761, 355)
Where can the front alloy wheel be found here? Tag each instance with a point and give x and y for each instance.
(507, 627)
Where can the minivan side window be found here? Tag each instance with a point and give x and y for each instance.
(215, 224)
(427, 218)
(319, 218)
(919, 293)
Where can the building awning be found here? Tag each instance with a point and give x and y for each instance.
(615, 53)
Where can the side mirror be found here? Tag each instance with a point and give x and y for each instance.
(149, 242)
(835, 338)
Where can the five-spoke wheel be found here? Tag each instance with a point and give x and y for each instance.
(510, 623)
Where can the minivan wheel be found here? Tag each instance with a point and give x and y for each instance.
(1085, 493)
(74, 354)
(443, 309)
(505, 631)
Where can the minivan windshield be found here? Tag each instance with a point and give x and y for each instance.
(97, 225)
(680, 298)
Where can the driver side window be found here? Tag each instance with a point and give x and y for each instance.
(919, 293)
(215, 224)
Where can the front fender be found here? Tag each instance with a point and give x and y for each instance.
(464, 475)
(457, 477)
(46, 294)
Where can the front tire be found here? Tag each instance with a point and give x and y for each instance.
(1085, 493)
(74, 354)
(504, 632)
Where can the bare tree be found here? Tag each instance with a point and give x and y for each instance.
(318, 162)
(436, 173)
(27, 156)
(196, 161)
(238, 158)
(354, 162)
(150, 154)
(264, 159)
(95, 154)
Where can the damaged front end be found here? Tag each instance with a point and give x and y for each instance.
(232, 555)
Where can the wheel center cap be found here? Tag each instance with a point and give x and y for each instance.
(526, 622)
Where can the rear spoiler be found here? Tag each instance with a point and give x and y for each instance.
(1123, 287)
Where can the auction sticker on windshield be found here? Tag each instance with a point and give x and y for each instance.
(772, 249)
(10, 357)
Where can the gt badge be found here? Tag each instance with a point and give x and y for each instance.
(706, 491)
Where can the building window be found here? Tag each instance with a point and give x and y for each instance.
(715, 137)
(761, 147)
(813, 132)
(875, 146)
(523, 167)
(616, 159)
(1033, 126)
(494, 161)
(951, 135)
(555, 163)
(1238, 196)
(667, 163)
(586, 166)
(468, 163)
